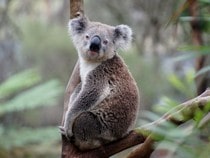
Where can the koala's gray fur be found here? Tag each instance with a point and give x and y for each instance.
(104, 105)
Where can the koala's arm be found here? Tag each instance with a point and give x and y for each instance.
(63, 129)
(91, 94)
(75, 94)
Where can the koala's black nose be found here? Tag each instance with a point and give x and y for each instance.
(95, 44)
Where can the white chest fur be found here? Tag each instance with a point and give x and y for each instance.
(86, 67)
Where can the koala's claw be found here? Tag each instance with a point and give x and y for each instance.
(62, 130)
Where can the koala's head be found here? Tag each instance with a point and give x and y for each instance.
(96, 41)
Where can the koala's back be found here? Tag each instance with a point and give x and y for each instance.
(120, 107)
(117, 112)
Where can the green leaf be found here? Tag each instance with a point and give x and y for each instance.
(42, 95)
(19, 82)
(23, 136)
(202, 71)
(177, 83)
(184, 56)
(193, 52)
(203, 49)
(190, 18)
(150, 115)
(165, 105)
(189, 77)
(199, 114)
(179, 133)
(204, 1)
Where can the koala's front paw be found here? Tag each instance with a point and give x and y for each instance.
(62, 130)
(67, 133)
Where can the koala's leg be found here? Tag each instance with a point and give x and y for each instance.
(87, 131)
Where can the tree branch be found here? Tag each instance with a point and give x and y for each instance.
(76, 6)
(180, 114)
(105, 151)
(177, 115)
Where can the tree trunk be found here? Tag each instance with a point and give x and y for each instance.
(202, 81)
(76, 6)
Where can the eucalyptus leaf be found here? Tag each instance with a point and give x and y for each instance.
(19, 82)
(22, 136)
(177, 83)
(202, 71)
(192, 52)
(42, 95)
(204, 1)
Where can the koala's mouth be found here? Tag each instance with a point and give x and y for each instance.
(93, 53)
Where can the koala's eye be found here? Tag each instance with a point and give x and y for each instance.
(87, 36)
(105, 42)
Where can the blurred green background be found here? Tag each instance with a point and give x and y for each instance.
(37, 57)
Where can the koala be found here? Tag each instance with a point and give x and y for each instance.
(104, 106)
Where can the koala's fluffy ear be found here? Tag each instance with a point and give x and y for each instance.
(78, 25)
(122, 36)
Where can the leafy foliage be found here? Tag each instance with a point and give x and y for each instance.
(25, 136)
(22, 92)
(19, 82)
(188, 140)
(203, 70)
(43, 94)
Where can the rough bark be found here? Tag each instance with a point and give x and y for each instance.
(76, 6)
(197, 40)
